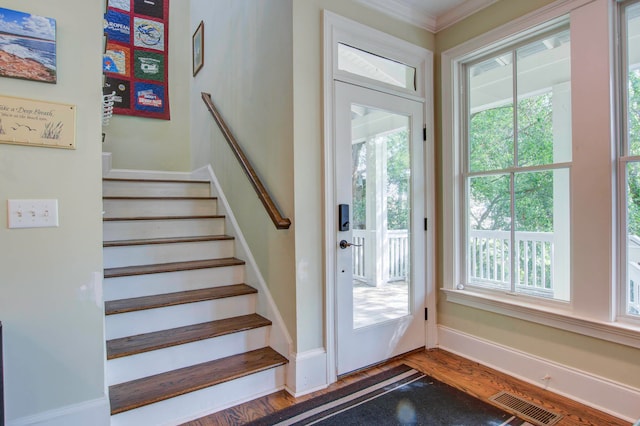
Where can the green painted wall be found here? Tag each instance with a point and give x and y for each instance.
(248, 72)
(50, 278)
(150, 144)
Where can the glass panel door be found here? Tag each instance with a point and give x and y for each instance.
(380, 258)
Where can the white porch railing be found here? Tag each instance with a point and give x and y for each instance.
(398, 255)
(395, 247)
(359, 241)
(489, 257)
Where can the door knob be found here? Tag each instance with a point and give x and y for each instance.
(344, 244)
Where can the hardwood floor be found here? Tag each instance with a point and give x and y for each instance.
(469, 376)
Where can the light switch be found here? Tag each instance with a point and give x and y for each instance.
(32, 213)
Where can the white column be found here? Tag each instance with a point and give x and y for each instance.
(561, 274)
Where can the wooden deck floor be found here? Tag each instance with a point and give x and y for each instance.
(469, 376)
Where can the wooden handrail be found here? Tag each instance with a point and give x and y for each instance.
(279, 221)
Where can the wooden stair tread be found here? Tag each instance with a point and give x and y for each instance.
(156, 180)
(171, 240)
(125, 271)
(137, 393)
(120, 306)
(115, 219)
(131, 345)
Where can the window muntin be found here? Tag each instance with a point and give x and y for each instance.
(518, 150)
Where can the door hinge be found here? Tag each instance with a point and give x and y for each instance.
(424, 133)
(426, 224)
(426, 314)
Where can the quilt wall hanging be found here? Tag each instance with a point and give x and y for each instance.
(136, 57)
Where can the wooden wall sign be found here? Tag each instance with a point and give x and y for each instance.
(37, 123)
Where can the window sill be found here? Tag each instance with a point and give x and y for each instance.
(624, 334)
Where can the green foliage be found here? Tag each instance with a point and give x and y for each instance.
(491, 139)
(359, 185)
(398, 176)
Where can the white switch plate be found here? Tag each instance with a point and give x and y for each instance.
(32, 213)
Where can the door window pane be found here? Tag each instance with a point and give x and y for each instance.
(381, 172)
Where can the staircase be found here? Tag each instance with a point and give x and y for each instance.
(183, 335)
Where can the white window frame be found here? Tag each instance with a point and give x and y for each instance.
(512, 170)
(623, 160)
(592, 310)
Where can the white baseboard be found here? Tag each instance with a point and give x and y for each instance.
(94, 412)
(605, 395)
(307, 372)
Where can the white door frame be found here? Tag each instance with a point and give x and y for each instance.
(338, 29)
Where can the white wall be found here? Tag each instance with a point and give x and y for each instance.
(50, 301)
(152, 144)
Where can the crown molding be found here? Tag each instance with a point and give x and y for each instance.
(411, 12)
(461, 12)
(405, 11)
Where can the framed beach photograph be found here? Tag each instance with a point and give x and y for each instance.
(197, 45)
(27, 46)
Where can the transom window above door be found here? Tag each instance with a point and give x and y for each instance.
(369, 65)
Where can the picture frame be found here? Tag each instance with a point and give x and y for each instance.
(197, 48)
(24, 32)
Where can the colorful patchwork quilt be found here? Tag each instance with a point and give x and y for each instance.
(135, 61)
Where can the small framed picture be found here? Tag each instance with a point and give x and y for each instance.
(198, 48)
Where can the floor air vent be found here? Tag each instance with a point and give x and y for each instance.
(526, 410)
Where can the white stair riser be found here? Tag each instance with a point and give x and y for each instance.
(133, 367)
(168, 228)
(196, 404)
(146, 321)
(171, 282)
(155, 189)
(153, 254)
(158, 208)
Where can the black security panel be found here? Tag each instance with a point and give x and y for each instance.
(343, 217)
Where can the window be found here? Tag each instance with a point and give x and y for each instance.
(516, 173)
(529, 225)
(365, 64)
(629, 170)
